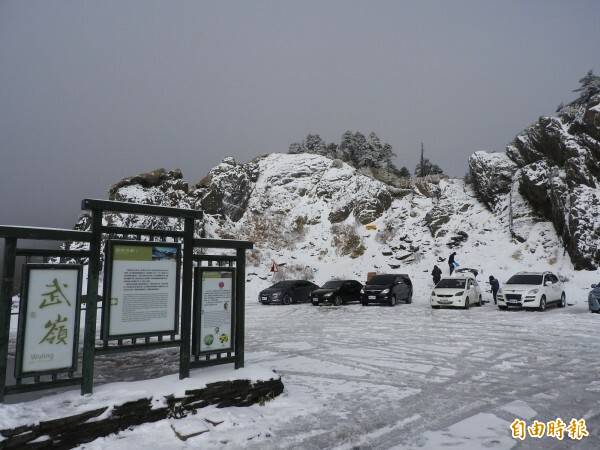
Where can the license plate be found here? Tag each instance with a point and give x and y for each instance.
(513, 301)
(443, 301)
(315, 300)
(264, 299)
(372, 297)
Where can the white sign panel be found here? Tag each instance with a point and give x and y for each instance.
(49, 320)
(216, 306)
(143, 288)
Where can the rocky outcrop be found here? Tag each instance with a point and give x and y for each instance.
(492, 175)
(436, 218)
(271, 199)
(156, 178)
(556, 166)
(226, 189)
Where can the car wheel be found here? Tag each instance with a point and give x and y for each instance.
(409, 298)
(467, 305)
(542, 303)
(287, 300)
(393, 300)
(563, 301)
(435, 306)
(503, 308)
(364, 302)
(337, 301)
(480, 301)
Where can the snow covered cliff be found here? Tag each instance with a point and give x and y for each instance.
(551, 171)
(319, 218)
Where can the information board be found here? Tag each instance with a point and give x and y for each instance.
(141, 289)
(48, 330)
(215, 297)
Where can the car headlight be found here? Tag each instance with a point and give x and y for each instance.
(362, 291)
(329, 294)
(458, 294)
(433, 293)
(385, 291)
(533, 291)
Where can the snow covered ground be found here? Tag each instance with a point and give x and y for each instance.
(377, 377)
(406, 377)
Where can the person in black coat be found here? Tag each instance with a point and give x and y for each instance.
(436, 273)
(451, 262)
(495, 287)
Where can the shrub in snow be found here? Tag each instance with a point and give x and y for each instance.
(347, 241)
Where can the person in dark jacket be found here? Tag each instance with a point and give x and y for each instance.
(451, 262)
(495, 287)
(436, 273)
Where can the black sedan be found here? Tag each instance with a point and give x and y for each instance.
(388, 289)
(337, 292)
(287, 292)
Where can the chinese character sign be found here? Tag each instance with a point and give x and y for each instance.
(49, 318)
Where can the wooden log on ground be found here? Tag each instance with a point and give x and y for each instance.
(71, 431)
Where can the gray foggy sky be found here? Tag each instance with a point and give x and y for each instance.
(91, 92)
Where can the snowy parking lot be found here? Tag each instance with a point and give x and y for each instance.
(378, 377)
(413, 377)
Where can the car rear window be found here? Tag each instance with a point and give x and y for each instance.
(525, 279)
(451, 283)
(382, 279)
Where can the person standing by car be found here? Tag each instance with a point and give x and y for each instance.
(451, 262)
(436, 273)
(494, 287)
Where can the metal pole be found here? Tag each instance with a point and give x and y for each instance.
(89, 342)
(186, 297)
(240, 306)
(8, 275)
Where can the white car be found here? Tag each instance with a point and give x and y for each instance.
(462, 291)
(532, 290)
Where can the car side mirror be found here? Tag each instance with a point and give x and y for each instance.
(547, 283)
(594, 286)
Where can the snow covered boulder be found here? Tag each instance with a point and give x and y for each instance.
(492, 175)
(158, 187)
(154, 178)
(227, 188)
(371, 206)
(437, 217)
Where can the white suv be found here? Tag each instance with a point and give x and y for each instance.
(532, 290)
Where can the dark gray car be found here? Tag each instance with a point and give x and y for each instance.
(594, 299)
(287, 292)
(388, 289)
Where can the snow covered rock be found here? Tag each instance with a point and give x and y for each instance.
(559, 162)
(226, 189)
(492, 175)
(318, 218)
